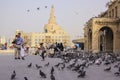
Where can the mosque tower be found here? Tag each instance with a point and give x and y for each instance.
(51, 26)
(52, 19)
(53, 32)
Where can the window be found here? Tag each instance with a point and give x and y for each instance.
(35, 39)
(112, 12)
(116, 12)
(35, 42)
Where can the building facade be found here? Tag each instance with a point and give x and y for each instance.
(3, 40)
(79, 42)
(52, 33)
(102, 33)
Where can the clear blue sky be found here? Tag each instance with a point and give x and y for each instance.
(71, 15)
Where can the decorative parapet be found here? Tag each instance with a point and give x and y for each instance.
(107, 21)
(112, 2)
(79, 40)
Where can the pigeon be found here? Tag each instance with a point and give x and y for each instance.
(57, 65)
(107, 69)
(52, 77)
(13, 75)
(80, 70)
(71, 65)
(117, 73)
(63, 67)
(76, 68)
(29, 65)
(38, 66)
(28, 10)
(25, 78)
(83, 73)
(119, 69)
(46, 65)
(106, 63)
(45, 6)
(38, 8)
(76, 13)
(43, 75)
(116, 66)
(52, 70)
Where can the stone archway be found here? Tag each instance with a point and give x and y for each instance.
(105, 39)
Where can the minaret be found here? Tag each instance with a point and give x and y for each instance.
(52, 19)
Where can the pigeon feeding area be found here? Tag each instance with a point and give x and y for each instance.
(32, 68)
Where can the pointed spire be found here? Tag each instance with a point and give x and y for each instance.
(52, 18)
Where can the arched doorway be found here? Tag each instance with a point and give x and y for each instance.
(105, 39)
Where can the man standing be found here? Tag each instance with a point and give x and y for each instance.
(15, 48)
(19, 44)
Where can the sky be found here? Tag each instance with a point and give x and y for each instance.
(71, 15)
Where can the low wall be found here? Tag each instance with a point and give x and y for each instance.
(6, 51)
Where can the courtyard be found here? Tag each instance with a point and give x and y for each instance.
(8, 64)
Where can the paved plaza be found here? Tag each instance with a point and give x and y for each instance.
(8, 64)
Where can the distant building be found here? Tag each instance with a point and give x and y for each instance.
(3, 40)
(102, 33)
(79, 42)
(52, 33)
(3, 43)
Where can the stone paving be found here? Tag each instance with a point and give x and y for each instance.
(8, 64)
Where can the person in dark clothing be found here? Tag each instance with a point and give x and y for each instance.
(61, 47)
(43, 51)
(15, 48)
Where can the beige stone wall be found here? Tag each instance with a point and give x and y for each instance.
(110, 19)
(115, 5)
(96, 24)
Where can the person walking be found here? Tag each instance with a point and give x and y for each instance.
(22, 52)
(43, 51)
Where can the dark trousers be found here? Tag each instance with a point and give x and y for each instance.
(42, 54)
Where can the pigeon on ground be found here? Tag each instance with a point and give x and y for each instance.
(42, 74)
(107, 69)
(46, 65)
(38, 66)
(82, 74)
(52, 70)
(57, 65)
(117, 73)
(25, 78)
(29, 65)
(13, 75)
(119, 69)
(52, 77)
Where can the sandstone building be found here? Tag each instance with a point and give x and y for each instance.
(102, 33)
(52, 33)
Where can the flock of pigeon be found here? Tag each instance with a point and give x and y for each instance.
(38, 8)
(79, 64)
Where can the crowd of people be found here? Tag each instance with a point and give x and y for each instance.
(21, 50)
(3, 46)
